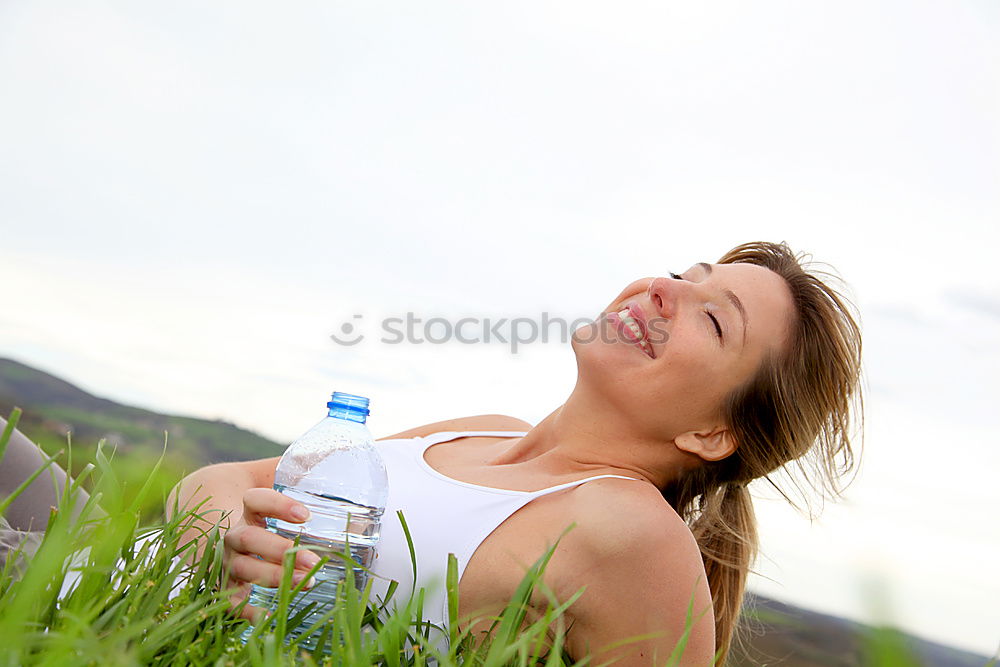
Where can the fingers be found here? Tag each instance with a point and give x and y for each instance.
(260, 502)
(254, 554)
(236, 598)
(243, 568)
(257, 541)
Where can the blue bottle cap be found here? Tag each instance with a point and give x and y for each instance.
(349, 401)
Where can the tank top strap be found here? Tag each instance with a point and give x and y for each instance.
(570, 485)
(445, 436)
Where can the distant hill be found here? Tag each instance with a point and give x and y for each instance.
(52, 407)
(781, 635)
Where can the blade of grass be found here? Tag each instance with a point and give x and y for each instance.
(8, 430)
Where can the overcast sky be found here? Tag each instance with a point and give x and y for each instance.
(195, 196)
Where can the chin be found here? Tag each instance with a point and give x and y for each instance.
(600, 364)
(588, 340)
(581, 335)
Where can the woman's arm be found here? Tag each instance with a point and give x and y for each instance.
(223, 485)
(236, 498)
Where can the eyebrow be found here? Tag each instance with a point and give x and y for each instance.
(733, 299)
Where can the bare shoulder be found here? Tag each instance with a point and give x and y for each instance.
(621, 514)
(642, 572)
(473, 423)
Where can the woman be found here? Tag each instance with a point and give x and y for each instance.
(689, 387)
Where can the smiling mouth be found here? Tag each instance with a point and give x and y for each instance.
(632, 329)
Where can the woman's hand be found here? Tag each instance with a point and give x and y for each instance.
(253, 554)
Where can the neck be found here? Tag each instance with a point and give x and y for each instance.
(587, 435)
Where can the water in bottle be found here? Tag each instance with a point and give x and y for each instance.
(336, 472)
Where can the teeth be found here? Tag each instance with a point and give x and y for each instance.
(634, 327)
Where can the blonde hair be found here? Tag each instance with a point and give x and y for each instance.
(800, 406)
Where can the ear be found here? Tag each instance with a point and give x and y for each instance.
(710, 445)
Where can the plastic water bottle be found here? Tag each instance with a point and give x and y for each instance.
(335, 471)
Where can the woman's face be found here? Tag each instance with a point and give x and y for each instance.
(700, 335)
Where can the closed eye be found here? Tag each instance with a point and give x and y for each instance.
(718, 328)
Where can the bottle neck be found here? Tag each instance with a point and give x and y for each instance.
(348, 414)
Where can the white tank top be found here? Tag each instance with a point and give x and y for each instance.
(443, 515)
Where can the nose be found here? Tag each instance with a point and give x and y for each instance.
(663, 293)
